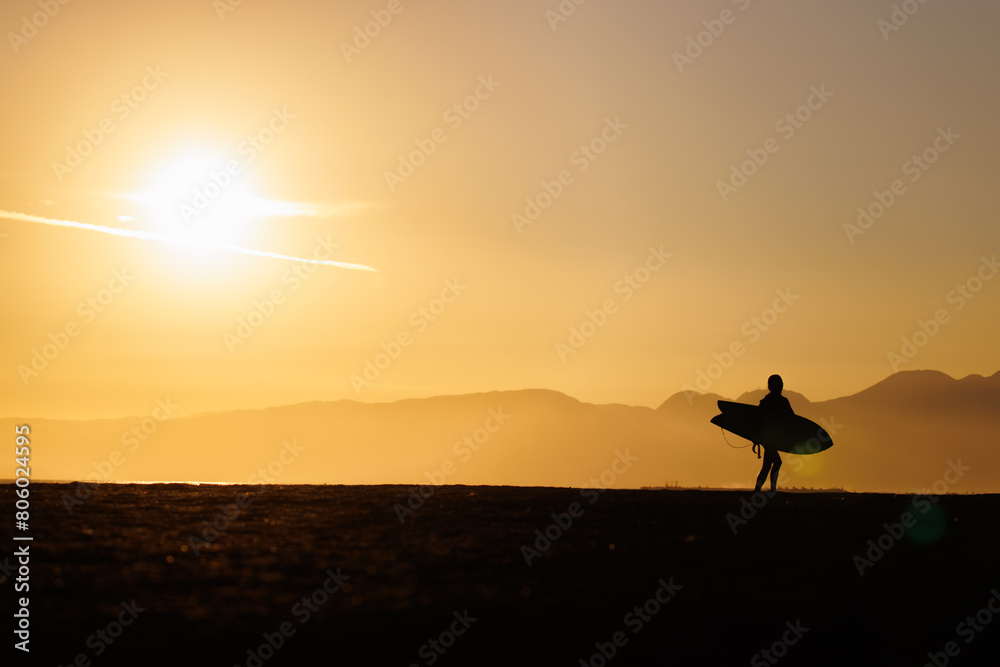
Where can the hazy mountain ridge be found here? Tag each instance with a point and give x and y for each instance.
(897, 435)
(930, 390)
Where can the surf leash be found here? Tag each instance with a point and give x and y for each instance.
(756, 447)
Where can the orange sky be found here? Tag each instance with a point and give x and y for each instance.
(422, 153)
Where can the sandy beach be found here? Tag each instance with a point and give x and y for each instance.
(237, 575)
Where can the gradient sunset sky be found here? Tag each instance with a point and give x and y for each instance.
(614, 120)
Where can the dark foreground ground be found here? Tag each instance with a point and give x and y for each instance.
(402, 587)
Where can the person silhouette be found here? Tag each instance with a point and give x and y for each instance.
(772, 406)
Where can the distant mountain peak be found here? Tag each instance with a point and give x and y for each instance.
(925, 389)
(918, 386)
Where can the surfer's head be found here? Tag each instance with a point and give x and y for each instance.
(775, 384)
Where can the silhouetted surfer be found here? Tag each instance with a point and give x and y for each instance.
(771, 406)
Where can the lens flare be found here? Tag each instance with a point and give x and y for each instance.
(930, 524)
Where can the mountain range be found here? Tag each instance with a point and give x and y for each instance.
(914, 431)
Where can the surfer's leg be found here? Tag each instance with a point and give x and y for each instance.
(775, 466)
(762, 475)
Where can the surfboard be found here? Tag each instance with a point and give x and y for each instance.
(787, 433)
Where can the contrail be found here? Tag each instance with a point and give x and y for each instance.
(166, 238)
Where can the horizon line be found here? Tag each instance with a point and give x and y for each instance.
(734, 489)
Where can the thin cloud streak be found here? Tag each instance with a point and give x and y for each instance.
(166, 238)
(277, 208)
(262, 207)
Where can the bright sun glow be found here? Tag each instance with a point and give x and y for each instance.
(197, 198)
(202, 206)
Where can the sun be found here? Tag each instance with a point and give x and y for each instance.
(203, 205)
(201, 198)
